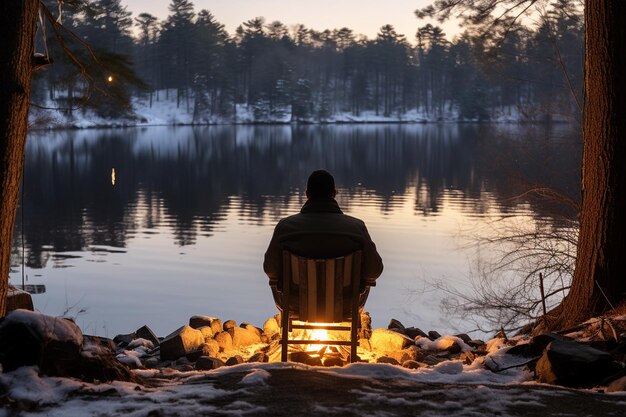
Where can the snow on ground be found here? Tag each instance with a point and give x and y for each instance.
(274, 389)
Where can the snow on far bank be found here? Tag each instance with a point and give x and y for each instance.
(167, 111)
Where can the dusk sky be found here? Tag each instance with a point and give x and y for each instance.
(362, 16)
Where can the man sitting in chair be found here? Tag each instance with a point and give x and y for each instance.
(321, 231)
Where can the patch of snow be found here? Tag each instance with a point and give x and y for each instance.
(442, 343)
(257, 376)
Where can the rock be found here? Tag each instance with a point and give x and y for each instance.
(209, 348)
(301, 357)
(123, 340)
(216, 326)
(180, 343)
(385, 340)
(183, 368)
(182, 361)
(271, 327)
(229, 324)
(205, 363)
(465, 338)
(414, 332)
(396, 325)
(365, 344)
(332, 361)
(536, 345)
(258, 357)
(31, 338)
(433, 335)
(316, 361)
(151, 362)
(365, 331)
(196, 322)
(449, 345)
(467, 358)
(145, 332)
(413, 364)
(476, 344)
(387, 359)
(413, 353)
(253, 329)
(573, 364)
(225, 341)
(432, 360)
(618, 385)
(234, 360)
(207, 332)
(244, 337)
(98, 341)
(18, 299)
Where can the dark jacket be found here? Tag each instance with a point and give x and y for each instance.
(322, 231)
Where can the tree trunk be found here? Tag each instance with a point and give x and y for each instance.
(18, 20)
(598, 283)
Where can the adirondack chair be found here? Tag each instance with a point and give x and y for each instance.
(324, 292)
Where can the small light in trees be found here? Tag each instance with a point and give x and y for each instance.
(113, 176)
(110, 78)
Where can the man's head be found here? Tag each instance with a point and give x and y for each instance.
(320, 185)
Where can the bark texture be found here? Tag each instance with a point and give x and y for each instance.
(599, 281)
(18, 25)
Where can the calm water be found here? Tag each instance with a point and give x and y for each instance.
(183, 227)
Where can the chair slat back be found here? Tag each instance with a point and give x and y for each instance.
(320, 290)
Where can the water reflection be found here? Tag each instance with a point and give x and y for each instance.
(96, 190)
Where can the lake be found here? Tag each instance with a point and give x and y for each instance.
(135, 226)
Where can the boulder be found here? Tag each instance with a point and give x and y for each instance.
(467, 358)
(216, 326)
(365, 344)
(271, 327)
(413, 364)
(18, 299)
(301, 357)
(253, 329)
(208, 348)
(234, 360)
(332, 361)
(244, 337)
(314, 361)
(387, 359)
(414, 332)
(396, 325)
(536, 345)
(573, 364)
(205, 363)
(258, 357)
(433, 335)
(151, 362)
(207, 332)
(385, 340)
(365, 330)
(464, 337)
(196, 322)
(181, 342)
(225, 341)
(145, 332)
(413, 353)
(31, 338)
(123, 340)
(618, 385)
(229, 324)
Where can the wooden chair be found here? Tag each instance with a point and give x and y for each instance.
(320, 291)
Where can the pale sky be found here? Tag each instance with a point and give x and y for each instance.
(363, 16)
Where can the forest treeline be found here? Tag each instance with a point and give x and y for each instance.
(294, 73)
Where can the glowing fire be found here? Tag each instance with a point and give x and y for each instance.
(110, 78)
(317, 334)
(112, 176)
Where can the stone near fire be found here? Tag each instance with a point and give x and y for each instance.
(206, 363)
(253, 329)
(413, 353)
(270, 327)
(396, 325)
(207, 332)
(314, 361)
(573, 364)
(208, 348)
(414, 332)
(229, 324)
(216, 326)
(234, 360)
(258, 357)
(200, 321)
(332, 361)
(180, 343)
(385, 340)
(225, 341)
(387, 359)
(433, 335)
(244, 337)
(18, 299)
(413, 364)
(365, 331)
(365, 344)
(144, 332)
(300, 357)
